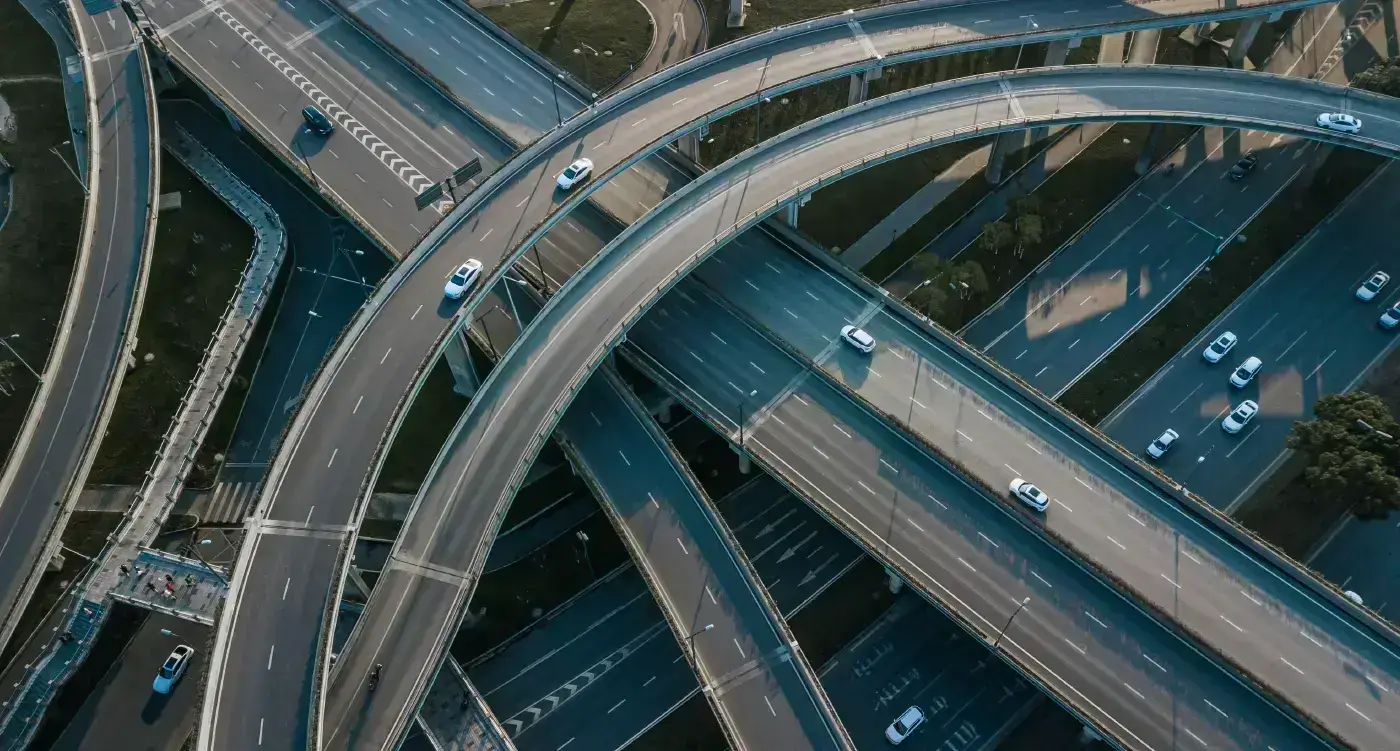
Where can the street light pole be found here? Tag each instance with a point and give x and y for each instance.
(54, 150)
(691, 639)
(1014, 613)
(554, 84)
(302, 153)
(583, 539)
(1030, 24)
(27, 366)
(212, 570)
(743, 402)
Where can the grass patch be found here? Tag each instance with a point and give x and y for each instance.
(1270, 235)
(619, 31)
(39, 241)
(220, 435)
(85, 534)
(730, 135)
(200, 251)
(515, 597)
(765, 14)
(1288, 513)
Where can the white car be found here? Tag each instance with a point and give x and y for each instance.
(575, 173)
(1246, 372)
(1220, 347)
(905, 725)
(1339, 122)
(1236, 420)
(1391, 317)
(1368, 291)
(1029, 494)
(858, 339)
(173, 668)
(462, 279)
(1159, 448)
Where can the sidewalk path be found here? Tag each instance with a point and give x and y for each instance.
(678, 31)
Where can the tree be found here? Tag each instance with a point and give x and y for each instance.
(1029, 231)
(946, 288)
(1383, 77)
(997, 235)
(1353, 451)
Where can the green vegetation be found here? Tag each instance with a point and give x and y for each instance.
(598, 41)
(950, 287)
(1353, 452)
(1280, 226)
(1383, 77)
(39, 240)
(199, 255)
(765, 14)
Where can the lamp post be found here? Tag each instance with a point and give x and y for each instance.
(54, 150)
(554, 84)
(1014, 613)
(27, 366)
(316, 183)
(1366, 426)
(578, 51)
(1030, 24)
(583, 540)
(743, 402)
(212, 570)
(691, 639)
(168, 632)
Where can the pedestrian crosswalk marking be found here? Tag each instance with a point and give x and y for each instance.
(227, 503)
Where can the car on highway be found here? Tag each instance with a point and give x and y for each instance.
(1391, 317)
(459, 281)
(1246, 372)
(1029, 494)
(174, 667)
(1240, 417)
(1368, 291)
(1339, 122)
(904, 725)
(1220, 347)
(575, 173)
(316, 121)
(858, 338)
(1159, 448)
(1244, 166)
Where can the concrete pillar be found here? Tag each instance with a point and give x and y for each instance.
(689, 145)
(1198, 33)
(860, 85)
(745, 463)
(896, 583)
(1005, 144)
(1088, 735)
(1315, 162)
(737, 10)
(465, 380)
(1057, 52)
(1249, 27)
(662, 411)
(55, 563)
(1149, 147)
(790, 213)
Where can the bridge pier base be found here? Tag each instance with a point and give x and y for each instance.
(1004, 144)
(895, 582)
(860, 85)
(735, 19)
(1249, 27)
(1198, 33)
(1149, 147)
(662, 411)
(745, 463)
(465, 380)
(1088, 735)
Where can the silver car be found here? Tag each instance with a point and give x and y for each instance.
(1240, 417)
(1159, 448)
(1220, 347)
(1340, 122)
(1368, 291)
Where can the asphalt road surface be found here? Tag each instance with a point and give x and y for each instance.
(915, 657)
(123, 708)
(1054, 326)
(1309, 350)
(67, 418)
(794, 63)
(710, 215)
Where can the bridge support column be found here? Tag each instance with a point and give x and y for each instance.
(465, 380)
(689, 145)
(1088, 735)
(1004, 144)
(662, 411)
(745, 463)
(895, 582)
(1149, 147)
(790, 213)
(860, 85)
(1058, 51)
(1319, 157)
(1249, 27)
(736, 14)
(1198, 33)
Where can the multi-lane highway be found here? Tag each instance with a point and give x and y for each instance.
(1309, 351)
(1094, 293)
(575, 330)
(69, 413)
(713, 88)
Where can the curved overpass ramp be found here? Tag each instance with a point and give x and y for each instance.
(524, 397)
(308, 512)
(50, 460)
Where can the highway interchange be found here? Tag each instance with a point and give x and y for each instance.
(389, 396)
(449, 535)
(69, 413)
